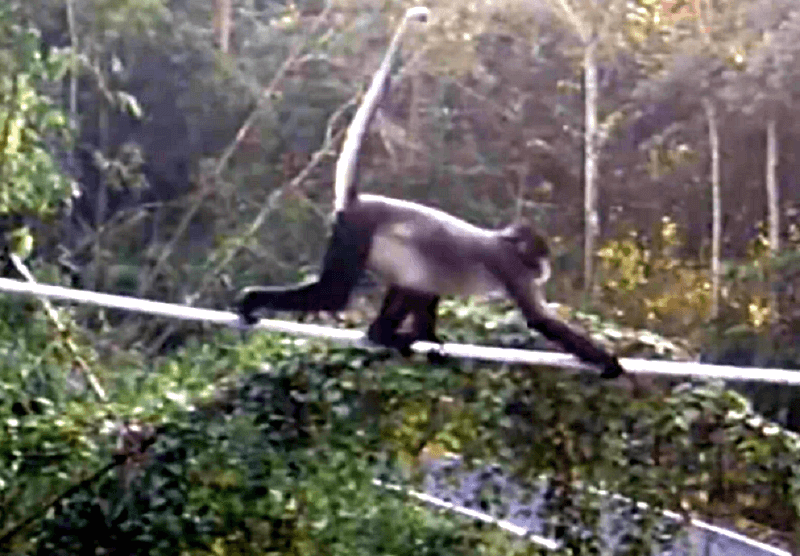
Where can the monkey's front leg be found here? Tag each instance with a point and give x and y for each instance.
(531, 302)
(578, 344)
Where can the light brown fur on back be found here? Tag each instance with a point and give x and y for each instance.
(428, 250)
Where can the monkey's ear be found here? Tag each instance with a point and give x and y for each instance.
(538, 244)
(529, 245)
(527, 251)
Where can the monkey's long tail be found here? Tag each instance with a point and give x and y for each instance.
(346, 178)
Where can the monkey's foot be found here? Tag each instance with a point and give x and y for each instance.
(247, 319)
(382, 336)
(612, 369)
(245, 306)
(437, 356)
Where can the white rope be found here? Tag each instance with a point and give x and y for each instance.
(507, 525)
(503, 524)
(356, 337)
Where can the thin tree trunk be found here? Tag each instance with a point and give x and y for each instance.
(591, 219)
(101, 201)
(716, 206)
(73, 78)
(222, 23)
(773, 199)
(414, 118)
(773, 211)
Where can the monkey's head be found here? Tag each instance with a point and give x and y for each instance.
(531, 248)
(529, 244)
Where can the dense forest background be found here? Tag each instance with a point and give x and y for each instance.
(181, 149)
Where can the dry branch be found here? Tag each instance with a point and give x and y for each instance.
(266, 95)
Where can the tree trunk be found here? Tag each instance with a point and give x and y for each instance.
(101, 199)
(222, 23)
(591, 219)
(773, 212)
(773, 199)
(73, 79)
(716, 206)
(414, 118)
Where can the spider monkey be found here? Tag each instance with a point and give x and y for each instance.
(421, 253)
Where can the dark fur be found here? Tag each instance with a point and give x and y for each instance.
(342, 266)
(397, 305)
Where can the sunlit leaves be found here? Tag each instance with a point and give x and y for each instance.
(30, 125)
(114, 16)
(649, 285)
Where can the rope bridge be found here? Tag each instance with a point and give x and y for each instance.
(356, 337)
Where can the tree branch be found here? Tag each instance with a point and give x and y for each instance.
(118, 459)
(331, 138)
(266, 95)
(52, 315)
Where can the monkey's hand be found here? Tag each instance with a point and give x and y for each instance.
(612, 368)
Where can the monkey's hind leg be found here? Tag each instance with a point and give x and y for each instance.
(425, 318)
(342, 266)
(425, 327)
(383, 329)
(397, 305)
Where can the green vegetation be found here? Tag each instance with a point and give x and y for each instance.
(271, 445)
(202, 169)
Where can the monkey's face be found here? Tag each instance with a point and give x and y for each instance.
(534, 244)
(530, 245)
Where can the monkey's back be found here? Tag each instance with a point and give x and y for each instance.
(424, 249)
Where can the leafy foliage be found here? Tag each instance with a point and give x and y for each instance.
(279, 457)
(650, 286)
(30, 123)
(279, 461)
